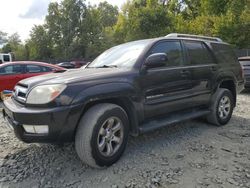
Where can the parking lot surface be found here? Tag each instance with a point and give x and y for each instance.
(189, 154)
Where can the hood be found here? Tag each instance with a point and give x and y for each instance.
(72, 76)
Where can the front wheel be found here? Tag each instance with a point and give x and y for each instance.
(102, 135)
(221, 108)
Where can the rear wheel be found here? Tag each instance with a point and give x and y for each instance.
(102, 135)
(221, 108)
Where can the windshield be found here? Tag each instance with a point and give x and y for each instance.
(124, 55)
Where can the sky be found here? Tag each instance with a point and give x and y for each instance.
(21, 15)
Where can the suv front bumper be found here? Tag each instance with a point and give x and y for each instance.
(61, 121)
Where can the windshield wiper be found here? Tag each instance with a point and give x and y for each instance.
(107, 66)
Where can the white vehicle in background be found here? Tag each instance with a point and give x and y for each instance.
(5, 58)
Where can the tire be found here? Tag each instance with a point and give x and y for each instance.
(218, 116)
(95, 128)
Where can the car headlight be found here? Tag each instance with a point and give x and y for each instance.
(45, 93)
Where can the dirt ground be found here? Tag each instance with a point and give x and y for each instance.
(191, 154)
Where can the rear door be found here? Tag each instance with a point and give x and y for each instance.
(204, 68)
(35, 70)
(166, 89)
(10, 75)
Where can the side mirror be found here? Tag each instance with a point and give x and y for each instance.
(156, 60)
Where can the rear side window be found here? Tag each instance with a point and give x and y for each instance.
(46, 69)
(224, 53)
(11, 69)
(198, 53)
(37, 69)
(173, 50)
(33, 68)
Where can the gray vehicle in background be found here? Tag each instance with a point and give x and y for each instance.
(245, 63)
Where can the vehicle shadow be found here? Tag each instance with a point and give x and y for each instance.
(41, 163)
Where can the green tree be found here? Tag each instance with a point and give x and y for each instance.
(39, 44)
(108, 14)
(12, 44)
(74, 30)
(15, 46)
(98, 28)
(63, 23)
(144, 19)
(6, 48)
(3, 37)
(228, 19)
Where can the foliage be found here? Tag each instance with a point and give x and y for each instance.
(75, 30)
(15, 46)
(39, 44)
(3, 38)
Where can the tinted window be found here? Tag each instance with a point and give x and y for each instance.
(11, 69)
(198, 53)
(224, 53)
(38, 68)
(46, 69)
(172, 49)
(33, 68)
(6, 58)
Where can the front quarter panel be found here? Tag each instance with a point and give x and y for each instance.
(105, 91)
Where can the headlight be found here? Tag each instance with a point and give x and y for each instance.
(45, 93)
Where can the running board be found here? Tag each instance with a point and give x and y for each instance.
(171, 119)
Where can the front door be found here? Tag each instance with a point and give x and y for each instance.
(166, 89)
(33, 70)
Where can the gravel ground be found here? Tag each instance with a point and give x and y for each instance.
(190, 154)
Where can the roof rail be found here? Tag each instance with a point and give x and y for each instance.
(194, 36)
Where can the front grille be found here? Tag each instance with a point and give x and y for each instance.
(20, 92)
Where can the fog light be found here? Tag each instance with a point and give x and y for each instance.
(29, 128)
(36, 129)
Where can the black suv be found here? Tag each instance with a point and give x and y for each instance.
(129, 89)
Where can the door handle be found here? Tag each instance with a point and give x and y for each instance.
(213, 68)
(185, 73)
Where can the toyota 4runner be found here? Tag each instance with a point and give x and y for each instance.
(129, 89)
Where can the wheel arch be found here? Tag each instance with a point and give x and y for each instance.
(125, 103)
(231, 86)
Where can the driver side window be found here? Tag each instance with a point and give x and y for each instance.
(173, 50)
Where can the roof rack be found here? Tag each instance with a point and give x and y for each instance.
(194, 37)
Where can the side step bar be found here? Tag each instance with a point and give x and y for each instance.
(171, 119)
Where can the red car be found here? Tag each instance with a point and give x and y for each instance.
(11, 73)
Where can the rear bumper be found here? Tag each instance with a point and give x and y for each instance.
(61, 121)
